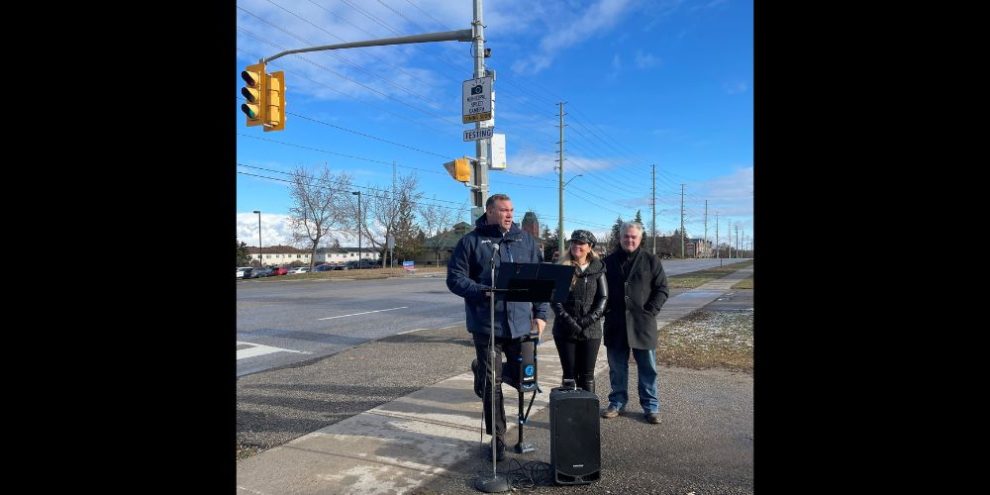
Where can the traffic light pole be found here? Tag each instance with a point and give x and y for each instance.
(479, 190)
(462, 35)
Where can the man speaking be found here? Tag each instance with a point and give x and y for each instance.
(495, 237)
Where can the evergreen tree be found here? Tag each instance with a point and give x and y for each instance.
(243, 258)
(613, 242)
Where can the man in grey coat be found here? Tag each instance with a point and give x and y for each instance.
(637, 287)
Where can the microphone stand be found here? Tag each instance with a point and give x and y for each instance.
(496, 484)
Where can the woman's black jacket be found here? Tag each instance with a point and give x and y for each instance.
(580, 317)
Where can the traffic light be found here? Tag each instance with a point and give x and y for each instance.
(459, 169)
(275, 115)
(254, 92)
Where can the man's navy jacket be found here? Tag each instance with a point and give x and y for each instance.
(469, 271)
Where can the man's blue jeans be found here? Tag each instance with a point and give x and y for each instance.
(618, 377)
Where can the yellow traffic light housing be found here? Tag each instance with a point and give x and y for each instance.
(275, 115)
(255, 93)
(459, 169)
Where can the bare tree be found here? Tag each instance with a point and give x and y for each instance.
(436, 220)
(319, 204)
(393, 210)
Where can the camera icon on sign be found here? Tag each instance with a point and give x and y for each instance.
(476, 90)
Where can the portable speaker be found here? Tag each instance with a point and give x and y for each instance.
(522, 374)
(527, 365)
(575, 441)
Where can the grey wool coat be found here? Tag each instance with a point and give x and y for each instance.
(634, 299)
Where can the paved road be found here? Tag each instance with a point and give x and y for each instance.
(287, 322)
(296, 321)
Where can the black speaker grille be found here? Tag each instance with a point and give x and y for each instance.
(575, 441)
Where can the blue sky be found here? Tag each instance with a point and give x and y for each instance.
(645, 82)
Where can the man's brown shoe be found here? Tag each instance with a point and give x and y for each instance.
(611, 412)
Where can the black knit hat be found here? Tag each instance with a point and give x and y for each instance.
(583, 236)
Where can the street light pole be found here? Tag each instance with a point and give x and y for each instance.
(261, 263)
(360, 224)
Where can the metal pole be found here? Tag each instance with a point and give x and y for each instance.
(654, 202)
(718, 253)
(261, 263)
(560, 181)
(462, 35)
(480, 192)
(682, 221)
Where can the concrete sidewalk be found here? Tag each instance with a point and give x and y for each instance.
(407, 443)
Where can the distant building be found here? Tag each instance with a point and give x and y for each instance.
(345, 254)
(698, 248)
(278, 255)
(442, 246)
(285, 255)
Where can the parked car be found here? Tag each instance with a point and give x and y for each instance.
(299, 269)
(261, 272)
(325, 267)
(280, 271)
(362, 263)
(244, 272)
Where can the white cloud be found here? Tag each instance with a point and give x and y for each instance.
(538, 164)
(732, 197)
(616, 68)
(735, 87)
(646, 60)
(266, 28)
(565, 31)
(276, 229)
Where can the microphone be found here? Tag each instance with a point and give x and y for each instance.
(495, 246)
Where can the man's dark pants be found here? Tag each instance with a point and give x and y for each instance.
(511, 348)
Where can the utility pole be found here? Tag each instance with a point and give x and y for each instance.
(560, 185)
(718, 254)
(737, 239)
(730, 238)
(654, 202)
(682, 221)
(480, 186)
(705, 240)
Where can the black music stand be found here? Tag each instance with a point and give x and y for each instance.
(534, 282)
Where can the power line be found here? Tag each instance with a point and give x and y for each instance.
(344, 58)
(344, 190)
(430, 16)
(362, 187)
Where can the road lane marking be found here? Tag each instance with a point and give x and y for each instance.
(261, 350)
(365, 313)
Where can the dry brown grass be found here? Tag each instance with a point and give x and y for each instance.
(707, 339)
(366, 274)
(746, 283)
(695, 279)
